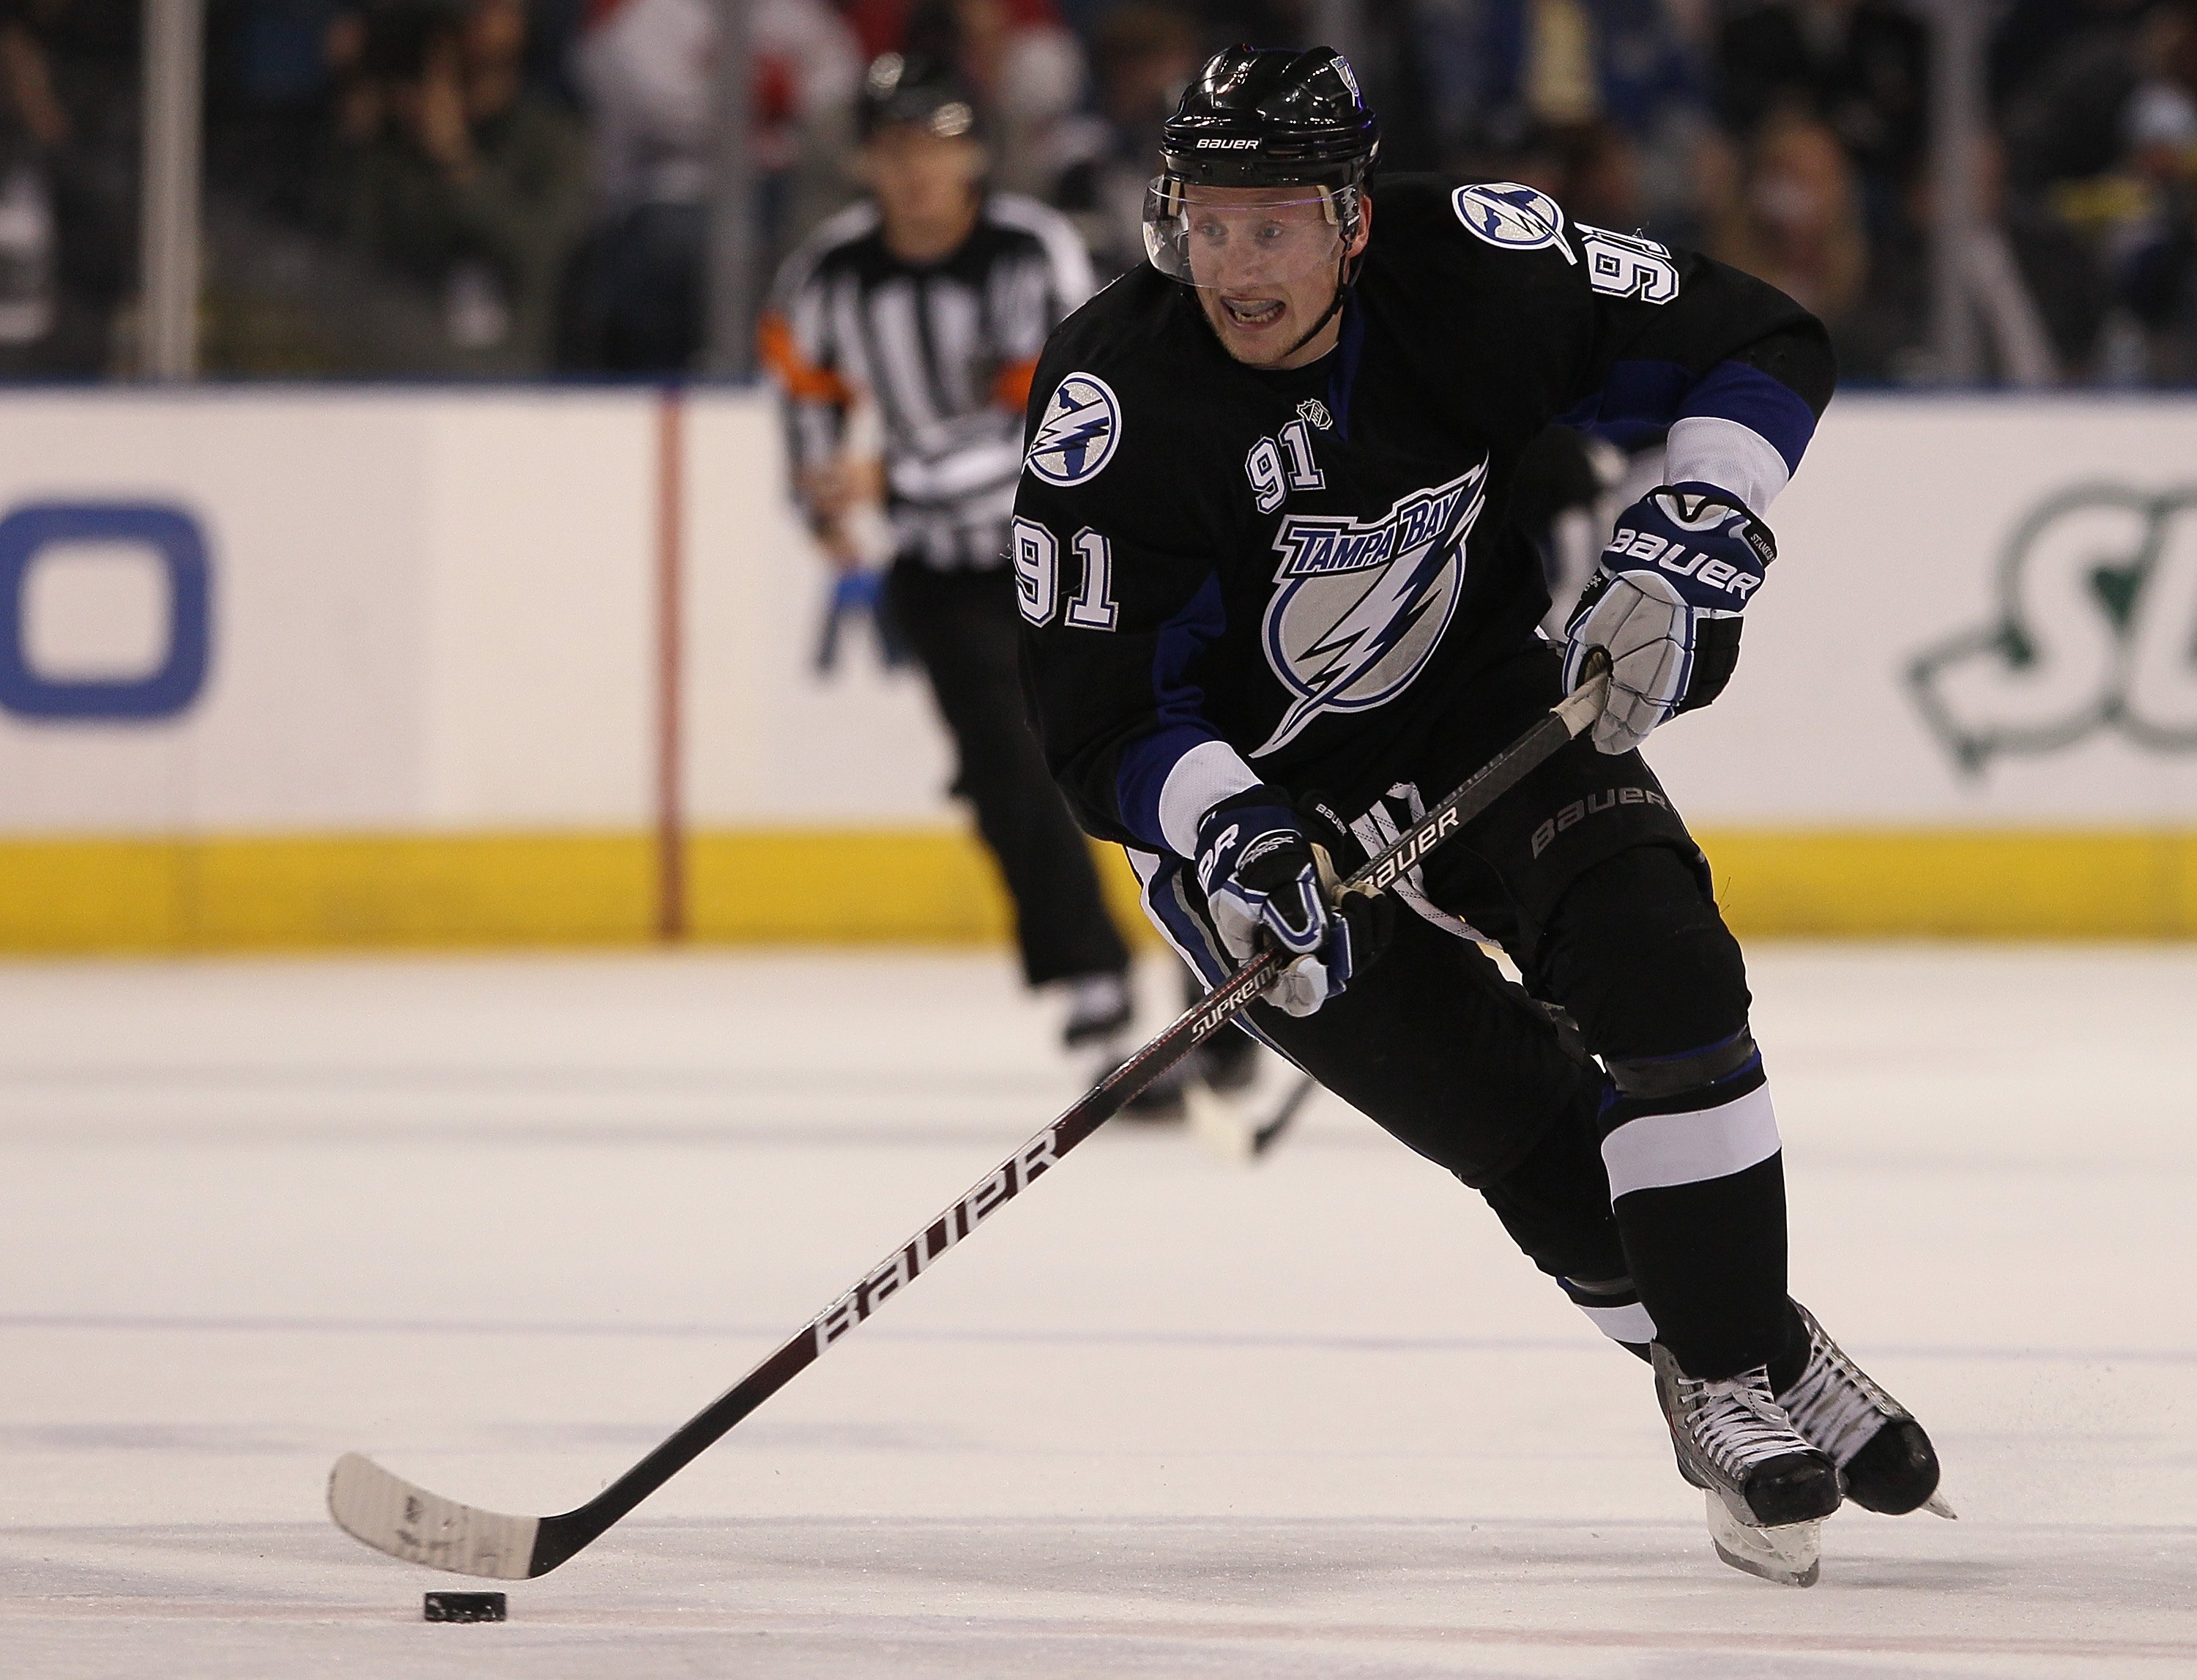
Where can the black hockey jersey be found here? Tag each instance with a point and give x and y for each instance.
(1232, 575)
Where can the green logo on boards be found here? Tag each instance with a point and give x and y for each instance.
(2093, 628)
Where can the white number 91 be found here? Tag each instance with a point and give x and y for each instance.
(1624, 265)
(1037, 577)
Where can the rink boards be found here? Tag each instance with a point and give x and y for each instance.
(442, 666)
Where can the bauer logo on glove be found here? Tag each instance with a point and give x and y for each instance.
(1665, 603)
(1704, 541)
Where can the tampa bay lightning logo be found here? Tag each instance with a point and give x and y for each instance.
(1362, 605)
(1504, 213)
(1075, 437)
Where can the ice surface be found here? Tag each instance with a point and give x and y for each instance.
(502, 1223)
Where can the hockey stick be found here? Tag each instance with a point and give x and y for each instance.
(392, 1515)
(1266, 1137)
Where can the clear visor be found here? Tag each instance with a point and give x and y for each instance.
(1232, 239)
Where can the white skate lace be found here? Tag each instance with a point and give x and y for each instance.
(1736, 1424)
(1835, 1403)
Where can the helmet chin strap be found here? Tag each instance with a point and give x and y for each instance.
(1334, 303)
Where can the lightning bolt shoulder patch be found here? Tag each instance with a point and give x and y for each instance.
(1078, 433)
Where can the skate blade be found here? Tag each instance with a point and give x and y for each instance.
(1790, 1555)
(1936, 1505)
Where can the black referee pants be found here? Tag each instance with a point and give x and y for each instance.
(962, 626)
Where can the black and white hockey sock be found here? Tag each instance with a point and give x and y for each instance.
(1613, 1307)
(1697, 1182)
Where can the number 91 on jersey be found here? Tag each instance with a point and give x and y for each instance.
(1038, 580)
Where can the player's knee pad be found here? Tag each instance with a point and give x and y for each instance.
(1684, 1072)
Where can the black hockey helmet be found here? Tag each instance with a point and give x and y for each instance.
(906, 90)
(1268, 117)
(1263, 117)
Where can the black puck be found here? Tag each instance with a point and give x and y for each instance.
(465, 1606)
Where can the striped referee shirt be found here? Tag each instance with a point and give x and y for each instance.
(946, 351)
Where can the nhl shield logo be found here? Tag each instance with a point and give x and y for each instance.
(1504, 213)
(1361, 604)
(1077, 434)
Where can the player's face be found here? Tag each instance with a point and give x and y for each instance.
(1265, 263)
(921, 178)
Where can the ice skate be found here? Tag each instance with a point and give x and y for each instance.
(1768, 1489)
(1228, 1062)
(1099, 1008)
(1883, 1455)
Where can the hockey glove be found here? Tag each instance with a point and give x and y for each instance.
(1664, 602)
(1261, 873)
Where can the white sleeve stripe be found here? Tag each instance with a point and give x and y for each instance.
(1706, 449)
(1660, 1149)
(1202, 778)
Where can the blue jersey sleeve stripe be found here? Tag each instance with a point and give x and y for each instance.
(1142, 774)
(1640, 400)
(1636, 404)
(1765, 405)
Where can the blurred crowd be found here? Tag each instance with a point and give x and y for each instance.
(453, 188)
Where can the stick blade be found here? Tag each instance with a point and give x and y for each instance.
(392, 1515)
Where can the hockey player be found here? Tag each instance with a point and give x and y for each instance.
(1275, 602)
(929, 302)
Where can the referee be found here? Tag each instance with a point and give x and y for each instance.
(927, 303)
